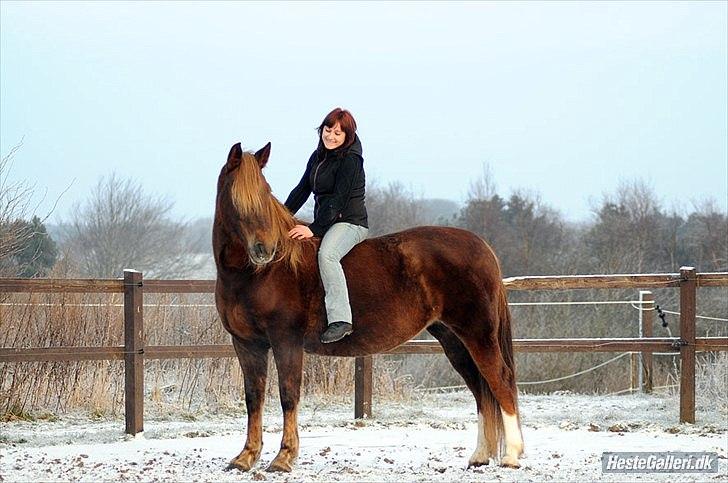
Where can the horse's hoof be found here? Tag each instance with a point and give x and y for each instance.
(480, 457)
(237, 466)
(278, 466)
(242, 463)
(510, 462)
(478, 460)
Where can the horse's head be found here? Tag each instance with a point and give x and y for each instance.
(246, 206)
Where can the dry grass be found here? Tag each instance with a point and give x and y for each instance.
(711, 382)
(54, 320)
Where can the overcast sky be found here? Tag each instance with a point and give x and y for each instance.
(562, 99)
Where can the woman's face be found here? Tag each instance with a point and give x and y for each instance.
(333, 137)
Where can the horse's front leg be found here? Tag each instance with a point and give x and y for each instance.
(254, 363)
(289, 361)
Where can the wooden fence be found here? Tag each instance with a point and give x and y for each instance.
(134, 352)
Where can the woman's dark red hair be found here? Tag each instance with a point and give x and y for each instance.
(345, 120)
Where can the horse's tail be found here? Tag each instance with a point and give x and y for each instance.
(491, 409)
(505, 338)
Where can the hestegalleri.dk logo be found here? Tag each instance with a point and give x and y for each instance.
(662, 462)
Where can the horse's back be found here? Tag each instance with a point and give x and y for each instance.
(423, 262)
(432, 249)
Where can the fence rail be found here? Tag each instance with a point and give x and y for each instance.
(134, 352)
(551, 282)
(155, 352)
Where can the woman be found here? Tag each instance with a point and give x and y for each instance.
(335, 175)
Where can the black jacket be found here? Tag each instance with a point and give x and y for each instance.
(336, 178)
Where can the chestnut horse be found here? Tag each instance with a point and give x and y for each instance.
(269, 297)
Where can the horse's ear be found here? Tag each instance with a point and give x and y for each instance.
(235, 155)
(262, 155)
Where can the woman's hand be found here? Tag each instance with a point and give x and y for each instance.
(300, 232)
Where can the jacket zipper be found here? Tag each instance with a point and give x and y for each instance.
(315, 173)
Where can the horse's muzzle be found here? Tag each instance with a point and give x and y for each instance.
(259, 255)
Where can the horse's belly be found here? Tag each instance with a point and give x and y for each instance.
(368, 337)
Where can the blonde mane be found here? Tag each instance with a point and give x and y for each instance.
(252, 197)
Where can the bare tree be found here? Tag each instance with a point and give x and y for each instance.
(391, 209)
(624, 237)
(121, 227)
(483, 187)
(707, 236)
(527, 235)
(535, 235)
(15, 198)
(483, 210)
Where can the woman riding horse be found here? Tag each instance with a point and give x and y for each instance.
(269, 298)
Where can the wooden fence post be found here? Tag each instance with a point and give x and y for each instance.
(363, 387)
(647, 319)
(688, 287)
(134, 352)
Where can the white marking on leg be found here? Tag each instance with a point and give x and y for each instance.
(480, 455)
(514, 441)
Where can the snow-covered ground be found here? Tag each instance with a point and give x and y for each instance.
(429, 439)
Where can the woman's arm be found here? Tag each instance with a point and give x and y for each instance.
(302, 191)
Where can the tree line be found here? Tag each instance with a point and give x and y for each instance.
(121, 226)
(630, 231)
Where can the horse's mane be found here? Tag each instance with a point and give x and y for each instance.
(252, 197)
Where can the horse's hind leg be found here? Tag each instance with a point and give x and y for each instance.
(487, 355)
(461, 361)
(253, 360)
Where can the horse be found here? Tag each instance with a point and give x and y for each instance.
(270, 298)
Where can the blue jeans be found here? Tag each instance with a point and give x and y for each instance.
(337, 242)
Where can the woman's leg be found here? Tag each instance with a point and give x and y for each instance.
(337, 242)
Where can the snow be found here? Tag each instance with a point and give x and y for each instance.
(427, 439)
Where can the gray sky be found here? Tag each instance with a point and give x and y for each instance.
(562, 99)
